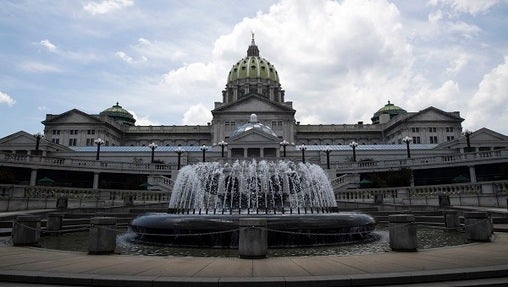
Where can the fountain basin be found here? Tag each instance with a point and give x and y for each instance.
(284, 230)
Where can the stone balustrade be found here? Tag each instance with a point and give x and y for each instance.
(478, 194)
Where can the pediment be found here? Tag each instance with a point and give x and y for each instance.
(72, 116)
(254, 104)
(18, 138)
(487, 135)
(254, 136)
(432, 114)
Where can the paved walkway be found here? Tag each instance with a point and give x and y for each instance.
(36, 265)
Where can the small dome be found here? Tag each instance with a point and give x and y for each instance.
(253, 124)
(119, 115)
(253, 66)
(389, 109)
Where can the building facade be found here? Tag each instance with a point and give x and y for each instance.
(253, 87)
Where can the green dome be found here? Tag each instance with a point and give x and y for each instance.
(119, 114)
(388, 109)
(253, 66)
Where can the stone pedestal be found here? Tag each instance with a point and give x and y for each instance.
(444, 201)
(378, 198)
(402, 232)
(451, 218)
(478, 226)
(54, 222)
(26, 230)
(253, 238)
(62, 202)
(102, 236)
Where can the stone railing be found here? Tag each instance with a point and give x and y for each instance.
(461, 158)
(479, 194)
(56, 162)
(22, 197)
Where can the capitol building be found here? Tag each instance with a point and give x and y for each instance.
(254, 119)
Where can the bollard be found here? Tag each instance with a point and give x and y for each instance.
(253, 238)
(478, 226)
(102, 236)
(26, 230)
(402, 232)
(451, 218)
(54, 222)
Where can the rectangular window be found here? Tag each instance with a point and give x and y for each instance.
(449, 130)
(432, 130)
(91, 132)
(56, 132)
(73, 142)
(415, 130)
(450, 138)
(433, 139)
(416, 140)
(57, 141)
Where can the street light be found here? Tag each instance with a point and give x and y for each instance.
(353, 145)
(98, 142)
(222, 144)
(204, 148)
(468, 140)
(284, 144)
(407, 140)
(38, 137)
(302, 148)
(179, 152)
(153, 146)
(328, 150)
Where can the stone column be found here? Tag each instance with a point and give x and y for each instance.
(26, 230)
(253, 238)
(95, 180)
(478, 226)
(102, 236)
(402, 232)
(245, 153)
(472, 174)
(33, 177)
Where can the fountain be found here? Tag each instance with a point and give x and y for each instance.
(295, 199)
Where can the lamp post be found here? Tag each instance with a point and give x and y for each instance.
(328, 150)
(353, 145)
(222, 144)
(153, 146)
(302, 148)
(204, 148)
(179, 152)
(284, 144)
(38, 137)
(407, 140)
(468, 140)
(98, 142)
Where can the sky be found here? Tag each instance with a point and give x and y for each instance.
(166, 61)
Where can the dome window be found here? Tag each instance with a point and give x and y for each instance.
(243, 68)
(252, 67)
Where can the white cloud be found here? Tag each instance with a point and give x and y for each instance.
(48, 45)
(197, 115)
(458, 63)
(467, 6)
(488, 107)
(39, 67)
(143, 121)
(6, 99)
(106, 6)
(128, 59)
